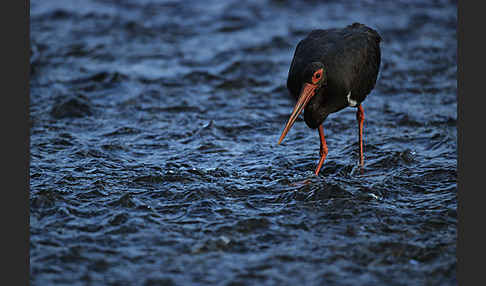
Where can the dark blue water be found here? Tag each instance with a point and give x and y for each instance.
(154, 156)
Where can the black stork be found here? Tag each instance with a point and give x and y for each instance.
(333, 69)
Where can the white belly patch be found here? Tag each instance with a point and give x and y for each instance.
(351, 102)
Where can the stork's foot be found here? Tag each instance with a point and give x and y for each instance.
(301, 183)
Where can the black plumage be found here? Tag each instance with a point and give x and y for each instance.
(333, 69)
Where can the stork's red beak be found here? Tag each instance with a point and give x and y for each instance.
(306, 94)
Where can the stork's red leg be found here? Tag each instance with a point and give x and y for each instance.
(360, 117)
(323, 149)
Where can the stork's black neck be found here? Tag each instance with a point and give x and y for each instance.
(326, 101)
(315, 112)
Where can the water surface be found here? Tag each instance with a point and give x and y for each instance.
(154, 156)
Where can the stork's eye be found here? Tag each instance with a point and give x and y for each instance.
(316, 77)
